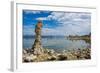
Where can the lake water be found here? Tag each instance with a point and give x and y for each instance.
(57, 43)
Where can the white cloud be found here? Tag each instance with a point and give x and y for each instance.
(50, 31)
(53, 16)
(70, 23)
(41, 18)
(69, 16)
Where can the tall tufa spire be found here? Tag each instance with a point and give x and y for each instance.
(37, 46)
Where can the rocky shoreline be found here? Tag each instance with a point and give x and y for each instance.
(51, 55)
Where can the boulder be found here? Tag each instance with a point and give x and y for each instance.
(29, 58)
(52, 58)
(24, 51)
(62, 57)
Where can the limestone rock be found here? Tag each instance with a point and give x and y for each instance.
(24, 51)
(62, 57)
(29, 58)
(37, 46)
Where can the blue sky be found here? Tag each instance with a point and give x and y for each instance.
(57, 23)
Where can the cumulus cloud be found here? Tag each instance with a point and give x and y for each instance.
(68, 23)
(41, 18)
(71, 23)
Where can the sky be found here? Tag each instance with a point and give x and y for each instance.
(57, 23)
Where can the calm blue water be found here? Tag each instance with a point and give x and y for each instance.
(56, 43)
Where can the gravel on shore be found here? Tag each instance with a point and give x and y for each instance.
(51, 55)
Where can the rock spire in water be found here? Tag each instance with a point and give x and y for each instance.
(37, 46)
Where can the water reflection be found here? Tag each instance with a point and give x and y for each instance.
(59, 44)
(86, 40)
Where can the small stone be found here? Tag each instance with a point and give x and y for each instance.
(50, 52)
(62, 57)
(24, 52)
(51, 58)
(33, 56)
(29, 58)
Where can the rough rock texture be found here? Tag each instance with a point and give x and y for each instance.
(37, 46)
(51, 55)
